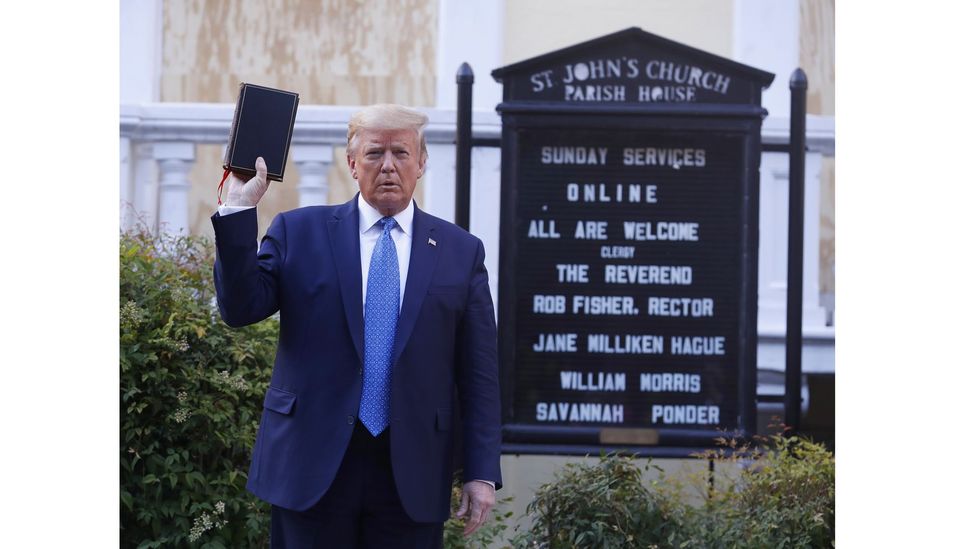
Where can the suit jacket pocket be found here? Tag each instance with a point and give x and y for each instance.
(443, 420)
(279, 400)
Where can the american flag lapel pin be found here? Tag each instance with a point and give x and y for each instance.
(431, 241)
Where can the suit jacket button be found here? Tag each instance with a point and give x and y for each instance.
(350, 420)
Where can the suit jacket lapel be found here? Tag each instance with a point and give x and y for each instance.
(423, 259)
(344, 235)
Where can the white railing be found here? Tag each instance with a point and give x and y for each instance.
(158, 141)
(161, 137)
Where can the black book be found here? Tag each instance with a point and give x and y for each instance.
(263, 123)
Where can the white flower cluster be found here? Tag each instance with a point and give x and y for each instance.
(130, 314)
(207, 521)
(181, 396)
(179, 293)
(182, 345)
(181, 415)
(236, 382)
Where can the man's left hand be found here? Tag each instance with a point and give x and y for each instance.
(477, 499)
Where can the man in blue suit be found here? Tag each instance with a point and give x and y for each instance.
(385, 317)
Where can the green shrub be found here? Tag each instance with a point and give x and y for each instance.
(776, 493)
(783, 497)
(191, 392)
(603, 505)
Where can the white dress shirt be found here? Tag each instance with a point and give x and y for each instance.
(370, 232)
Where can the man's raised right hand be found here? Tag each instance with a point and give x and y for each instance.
(248, 193)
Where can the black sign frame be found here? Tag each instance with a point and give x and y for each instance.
(520, 117)
(587, 439)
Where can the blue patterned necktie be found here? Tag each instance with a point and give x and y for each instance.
(380, 319)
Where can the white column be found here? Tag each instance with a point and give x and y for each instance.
(140, 59)
(767, 36)
(175, 158)
(145, 187)
(126, 198)
(439, 181)
(814, 313)
(313, 168)
(486, 167)
(470, 32)
(140, 50)
(774, 191)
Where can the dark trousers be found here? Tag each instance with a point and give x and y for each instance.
(361, 510)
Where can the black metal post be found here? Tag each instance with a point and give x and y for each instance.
(711, 478)
(794, 275)
(462, 165)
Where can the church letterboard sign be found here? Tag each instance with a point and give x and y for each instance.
(628, 263)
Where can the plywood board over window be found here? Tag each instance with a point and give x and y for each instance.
(333, 52)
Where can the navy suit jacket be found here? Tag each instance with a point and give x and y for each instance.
(308, 268)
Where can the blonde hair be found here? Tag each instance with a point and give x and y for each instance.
(387, 116)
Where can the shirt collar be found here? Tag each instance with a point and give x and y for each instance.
(368, 216)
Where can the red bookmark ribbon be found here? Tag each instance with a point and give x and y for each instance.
(220, 188)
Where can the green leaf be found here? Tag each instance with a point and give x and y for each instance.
(196, 476)
(126, 499)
